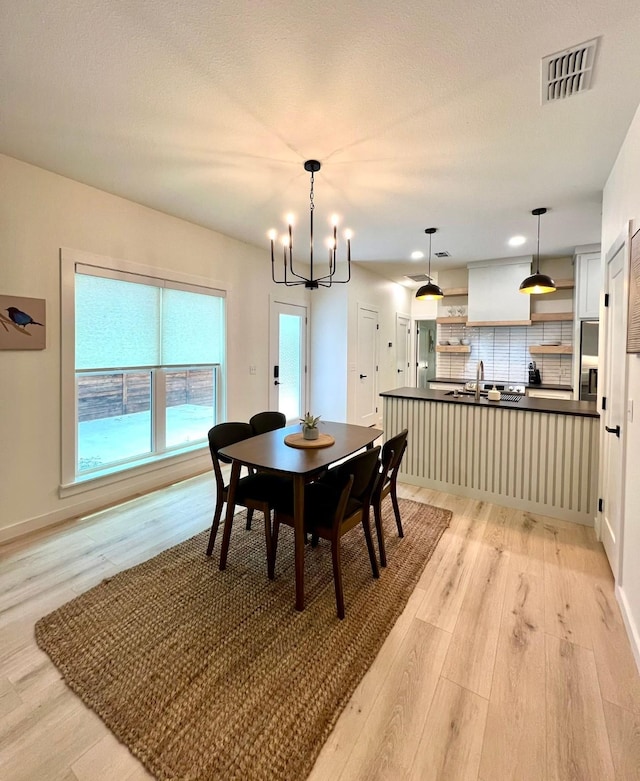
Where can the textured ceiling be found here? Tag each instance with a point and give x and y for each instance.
(422, 113)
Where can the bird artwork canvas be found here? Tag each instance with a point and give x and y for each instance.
(22, 323)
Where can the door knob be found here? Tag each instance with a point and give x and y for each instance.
(276, 382)
(615, 430)
(363, 376)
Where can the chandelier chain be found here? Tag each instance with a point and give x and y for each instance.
(312, 205)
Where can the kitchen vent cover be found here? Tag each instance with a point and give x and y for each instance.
(568, 72)
(442, 254)
(419, 277)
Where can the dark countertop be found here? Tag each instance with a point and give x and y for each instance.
(544, 385)
(586, 409)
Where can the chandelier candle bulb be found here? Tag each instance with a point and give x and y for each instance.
(272, 236)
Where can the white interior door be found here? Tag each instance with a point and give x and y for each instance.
(366, 389)
(403, 350)
(288, 359)
(614, 415)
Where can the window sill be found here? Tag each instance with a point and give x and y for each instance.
(124, 472)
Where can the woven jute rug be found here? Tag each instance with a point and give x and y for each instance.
(214, 676)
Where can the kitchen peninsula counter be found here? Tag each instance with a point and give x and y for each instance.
(534, 454)
(530, 403)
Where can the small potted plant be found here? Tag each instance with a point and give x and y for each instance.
(310, 426)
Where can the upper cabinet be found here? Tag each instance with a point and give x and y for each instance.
(494, 295)
(588, 285)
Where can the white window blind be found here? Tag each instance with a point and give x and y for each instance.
(127, 321)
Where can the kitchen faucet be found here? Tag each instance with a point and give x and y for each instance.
(479, 376)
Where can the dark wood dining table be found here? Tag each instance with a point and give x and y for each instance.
(268, 452)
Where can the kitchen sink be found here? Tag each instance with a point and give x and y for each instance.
(512, 397)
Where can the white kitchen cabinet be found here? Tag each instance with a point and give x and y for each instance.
(588, 285)
(494, 295)
(548, 393)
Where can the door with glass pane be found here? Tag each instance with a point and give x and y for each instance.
(425, 352)
(288, 359)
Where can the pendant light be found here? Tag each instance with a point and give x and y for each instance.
(430, 291)
(538, 283)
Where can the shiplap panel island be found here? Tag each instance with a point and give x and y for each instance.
(534, 454)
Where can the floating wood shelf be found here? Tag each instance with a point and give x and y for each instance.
(564, 284)
(496, 323)
(558, 349)
(453, 348)
(455, 291)
(550, 317)
(451, 320)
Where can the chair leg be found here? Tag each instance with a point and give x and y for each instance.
(275, 530)
(396, 509)
(377, 514)
(269, 542)
(337, 576)
(372, 553)
(249, 519)
(214, 526)
(314, 540)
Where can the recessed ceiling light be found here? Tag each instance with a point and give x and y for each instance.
(417, 255)
(516, 241)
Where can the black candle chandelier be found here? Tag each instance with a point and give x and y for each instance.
(538, 283)
(289, 276)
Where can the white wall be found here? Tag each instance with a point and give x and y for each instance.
(334, 357)
(621, 203)
(328, 367)
(40, 212)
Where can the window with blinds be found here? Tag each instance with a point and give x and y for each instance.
(148, 360)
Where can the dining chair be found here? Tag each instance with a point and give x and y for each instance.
(254, 491)
(391, 457)
(262, 422)
(334, 505)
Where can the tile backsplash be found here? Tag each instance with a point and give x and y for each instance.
(505, 352)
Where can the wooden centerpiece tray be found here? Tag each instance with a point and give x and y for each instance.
(297, 440)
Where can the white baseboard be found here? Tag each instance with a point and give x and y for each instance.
(630, 624)
(90, 502)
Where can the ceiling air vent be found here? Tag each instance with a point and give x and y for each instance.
(442, 254)
(568, 72)
(419, 277)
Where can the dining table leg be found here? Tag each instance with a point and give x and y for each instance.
(298, 526)
(236, 466)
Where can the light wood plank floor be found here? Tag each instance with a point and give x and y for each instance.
(510, 660)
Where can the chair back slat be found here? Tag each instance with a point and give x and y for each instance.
(393, 451)
(225, 434)
(364, 469)
(262, 422)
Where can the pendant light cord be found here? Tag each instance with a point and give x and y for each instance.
(538, 253)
